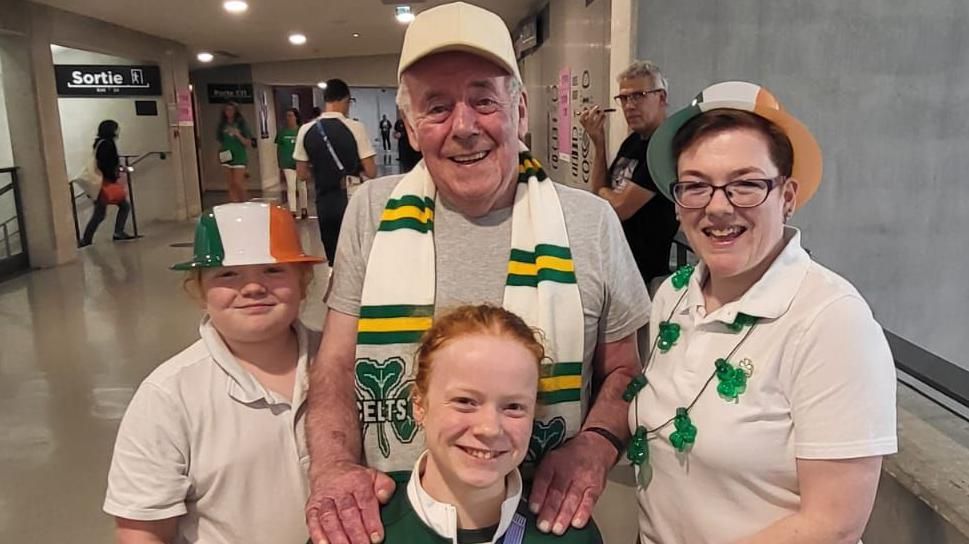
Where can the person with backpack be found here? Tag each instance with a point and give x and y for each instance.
(337, 151)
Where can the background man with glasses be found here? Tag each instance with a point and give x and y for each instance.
(649, 223)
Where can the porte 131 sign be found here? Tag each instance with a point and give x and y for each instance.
(221, 93)
(89, 80)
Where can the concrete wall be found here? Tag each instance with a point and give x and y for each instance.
(370, 71)
(6, 152)
(883, 84)
(26, 32)
(7, 207)
(578, 40)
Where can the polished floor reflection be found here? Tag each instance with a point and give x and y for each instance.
(75, 342)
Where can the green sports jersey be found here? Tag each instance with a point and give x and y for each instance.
(285, 146)
(402, 525)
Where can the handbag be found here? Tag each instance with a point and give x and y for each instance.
(90, 177)
(114, 192)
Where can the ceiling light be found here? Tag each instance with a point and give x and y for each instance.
(403, 14)
(205, 57)
(297, 39)
(321, 84)
(356, 34)
(235, 6)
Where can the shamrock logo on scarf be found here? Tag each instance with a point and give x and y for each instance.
(546, 436)
(383, 397)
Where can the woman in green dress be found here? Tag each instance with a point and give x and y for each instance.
(233, 135)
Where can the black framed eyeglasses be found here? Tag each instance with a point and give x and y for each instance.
(634, 97)
(741, 193)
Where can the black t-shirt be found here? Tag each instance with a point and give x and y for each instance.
(325, 172)
(650, 230)
(385, 126)
(409, 157)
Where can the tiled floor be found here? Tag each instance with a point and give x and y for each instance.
(75, 342)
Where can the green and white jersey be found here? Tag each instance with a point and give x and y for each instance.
(414, 517)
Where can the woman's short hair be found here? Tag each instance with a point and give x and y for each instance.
(484, 319)
(716, 121)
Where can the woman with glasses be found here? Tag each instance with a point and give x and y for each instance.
(768, 396)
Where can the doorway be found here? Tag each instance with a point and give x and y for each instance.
(300, 98)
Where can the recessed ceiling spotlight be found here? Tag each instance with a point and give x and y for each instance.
(297, 39)
(403, 14)
(235, 6)
(321, 84)
(205, 57)
(356, 34)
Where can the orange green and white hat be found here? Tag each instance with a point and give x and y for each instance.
(737, 95)
(246, 233)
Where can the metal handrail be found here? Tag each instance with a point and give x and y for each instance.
(7, 234)
(22, 260)
(161, 155)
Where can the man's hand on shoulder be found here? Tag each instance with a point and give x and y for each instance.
(569, 481)
(343, 506)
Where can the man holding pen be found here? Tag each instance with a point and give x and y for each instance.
(649, 223)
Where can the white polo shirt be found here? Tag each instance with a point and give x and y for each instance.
(204, 441)
(359, 131)
(822, 387)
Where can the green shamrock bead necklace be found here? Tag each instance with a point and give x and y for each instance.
(731, 383)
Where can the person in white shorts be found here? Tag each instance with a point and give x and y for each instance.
(296, 196)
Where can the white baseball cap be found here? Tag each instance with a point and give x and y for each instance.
(458, 26)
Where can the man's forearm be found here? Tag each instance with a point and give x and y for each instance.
(332, 421)
(616, 365)
(610, 411)
(597, 178)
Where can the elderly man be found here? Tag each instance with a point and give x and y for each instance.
(476, 221)
(648, 221)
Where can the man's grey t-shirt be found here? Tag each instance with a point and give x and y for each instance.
(472, 262)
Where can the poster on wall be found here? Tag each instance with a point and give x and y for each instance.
(220, 93)
(113, 81)
(183, 115)
(564, 119)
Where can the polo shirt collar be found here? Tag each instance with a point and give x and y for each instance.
(332, 115)
(241, 385)
(443, 518)
(768, 298)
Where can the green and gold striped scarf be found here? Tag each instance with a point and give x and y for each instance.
(397, 306)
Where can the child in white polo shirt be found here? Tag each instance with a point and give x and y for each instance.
(211, 448)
